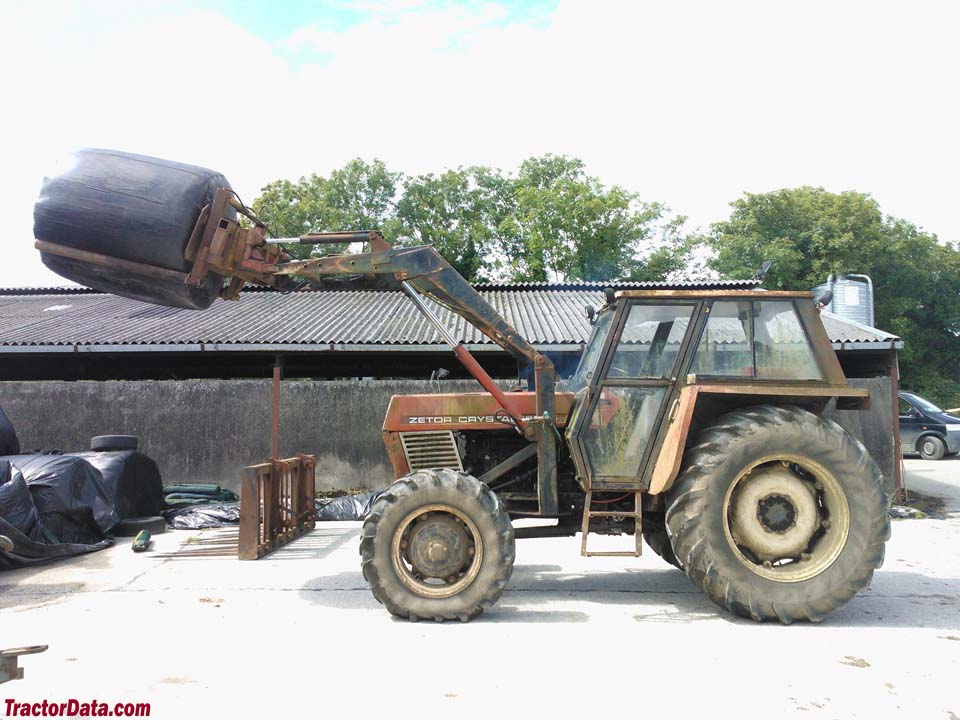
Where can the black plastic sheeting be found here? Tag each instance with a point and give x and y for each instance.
(16, 504)
(348, 507)
(197, 517)
(27, 552)
(9, 442)
(132, 480)
(69, 493)
(221, 514)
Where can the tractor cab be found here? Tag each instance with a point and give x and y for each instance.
(648, 346)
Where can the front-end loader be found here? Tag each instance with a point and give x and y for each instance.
(694, 420)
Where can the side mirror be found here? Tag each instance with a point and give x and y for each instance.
(823, 299)
(762, 271)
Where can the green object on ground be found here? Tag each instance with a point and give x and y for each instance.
(142, 541)
(187, 494)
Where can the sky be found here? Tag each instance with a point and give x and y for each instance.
(686, 103)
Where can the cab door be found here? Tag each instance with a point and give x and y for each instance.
(630, 390)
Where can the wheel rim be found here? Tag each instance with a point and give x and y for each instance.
(786, 518)
(437, 551)
(929, 447)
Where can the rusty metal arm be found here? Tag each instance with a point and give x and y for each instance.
(243, 255)
(422, 270)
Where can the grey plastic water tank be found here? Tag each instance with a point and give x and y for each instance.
(852, 297)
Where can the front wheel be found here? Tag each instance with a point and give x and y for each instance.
(438, 545)
(779, 514)
(932, 448)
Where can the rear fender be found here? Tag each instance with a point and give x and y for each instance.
(700, 402)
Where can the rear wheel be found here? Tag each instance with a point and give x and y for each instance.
(437, 545)
(779, 514)
(931, 447)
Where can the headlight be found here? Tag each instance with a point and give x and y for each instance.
(953, 429)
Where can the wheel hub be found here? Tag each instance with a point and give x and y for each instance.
(437, 551)
(776, 513)
(786, 518)
(438, 546)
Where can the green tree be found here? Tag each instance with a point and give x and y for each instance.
(550, 221)
(809, 233)
(359, 196)
(569, 226)
(459, 212)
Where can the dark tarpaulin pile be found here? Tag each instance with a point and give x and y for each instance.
(212, 514)
(16, 505)
(27, 552)
(9, 442)
(347, 507)
(69, 493)
(22, 523)
(131, 479)
(207, 515)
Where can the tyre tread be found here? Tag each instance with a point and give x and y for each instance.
(704, 460)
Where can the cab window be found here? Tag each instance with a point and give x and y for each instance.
(588, 361)
(762, 339)
(725, 347)
(650, 341)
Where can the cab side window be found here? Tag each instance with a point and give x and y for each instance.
(725, 347)
(781, 347)
(761, 339)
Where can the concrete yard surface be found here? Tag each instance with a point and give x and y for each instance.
(196, 633)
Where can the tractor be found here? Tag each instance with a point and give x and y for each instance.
(694, 420)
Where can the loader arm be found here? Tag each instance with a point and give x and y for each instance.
(221, 245)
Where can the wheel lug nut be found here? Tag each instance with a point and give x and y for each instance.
(767, 564)
(805, 557)
(818, 486)
(825, 524)
(470, 551)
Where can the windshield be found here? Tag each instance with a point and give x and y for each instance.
(588, 361)
(924, 405)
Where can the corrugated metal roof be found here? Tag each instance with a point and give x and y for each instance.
(544, 315)
(625, 285)
(848, 331)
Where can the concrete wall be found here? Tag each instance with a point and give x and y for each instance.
(206, 430)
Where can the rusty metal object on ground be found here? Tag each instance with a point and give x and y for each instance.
(9, 667)
(276, 504)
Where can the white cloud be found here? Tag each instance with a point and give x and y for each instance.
(688, 103)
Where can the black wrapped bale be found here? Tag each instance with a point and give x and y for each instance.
(9, 442)
(69, 493)
(16, 504)
(131, 478)
(128, 207)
